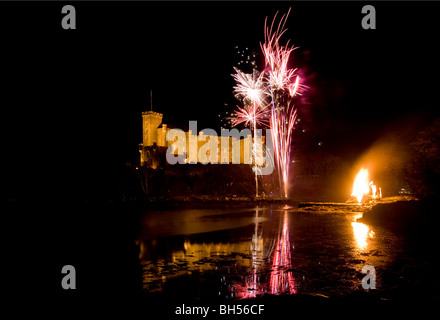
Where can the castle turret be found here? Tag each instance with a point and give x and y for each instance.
(150, 122)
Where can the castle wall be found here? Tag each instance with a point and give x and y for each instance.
(234, 150)
(161, 136)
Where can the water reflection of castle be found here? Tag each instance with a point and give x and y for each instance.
(154, 142)
(252, 258)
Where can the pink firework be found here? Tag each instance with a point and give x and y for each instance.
(251, 115)
(268, 97)
(277, 56)
(281, 123)
(284, 85)
(252, 90)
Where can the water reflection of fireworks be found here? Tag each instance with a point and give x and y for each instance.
(276, 253)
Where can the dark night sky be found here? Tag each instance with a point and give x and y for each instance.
(72, 100)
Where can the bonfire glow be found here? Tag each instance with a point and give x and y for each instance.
(373, 190)
(363, 187)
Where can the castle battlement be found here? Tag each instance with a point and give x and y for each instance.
(152, 113)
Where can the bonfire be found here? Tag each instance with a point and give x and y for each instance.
(364, 190)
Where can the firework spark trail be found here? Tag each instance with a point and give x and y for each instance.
(252, 115)
(282, 125)
(277, 56)
(284, 85)
(277, 83)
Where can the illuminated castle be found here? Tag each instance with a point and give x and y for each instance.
(154, 144)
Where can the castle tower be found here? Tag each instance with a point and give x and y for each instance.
(161, 136)
(150, 122)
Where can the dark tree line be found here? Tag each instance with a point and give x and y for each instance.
(422, 171)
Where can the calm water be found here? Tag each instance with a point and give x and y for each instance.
(246, 252)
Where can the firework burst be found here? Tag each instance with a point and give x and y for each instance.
(268, 97)
(251, 115)
(284, 85)
(250, 87)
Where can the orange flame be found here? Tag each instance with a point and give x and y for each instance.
(361, 185)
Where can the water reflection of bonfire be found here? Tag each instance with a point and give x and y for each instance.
(278, 255)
